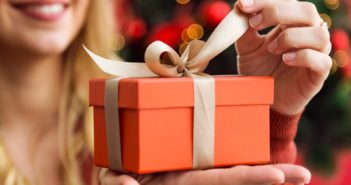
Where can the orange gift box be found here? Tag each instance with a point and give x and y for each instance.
(156, 122)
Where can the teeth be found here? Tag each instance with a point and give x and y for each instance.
(48, 8)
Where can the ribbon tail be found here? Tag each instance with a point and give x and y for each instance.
(120, 68)
(112, 124)
(204, 120)
(231, 28)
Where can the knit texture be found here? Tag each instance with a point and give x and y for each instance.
(283, 130)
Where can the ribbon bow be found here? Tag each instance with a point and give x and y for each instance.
(191, 63)
(175, 65)
(195, 58)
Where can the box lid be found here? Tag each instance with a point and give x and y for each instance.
(143, 93)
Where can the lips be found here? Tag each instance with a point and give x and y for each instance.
(44, 11)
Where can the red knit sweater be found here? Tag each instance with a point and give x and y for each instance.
(283, 149)
(283, 130)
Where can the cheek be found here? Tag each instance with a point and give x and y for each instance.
(75, 23)
(45, 42)
(79, 8)
(70, 31)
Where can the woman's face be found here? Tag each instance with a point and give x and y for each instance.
(43, 27)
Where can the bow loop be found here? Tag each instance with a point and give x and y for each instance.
(153, 59)
(164, 61)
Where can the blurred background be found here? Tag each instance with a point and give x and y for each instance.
(324, 137)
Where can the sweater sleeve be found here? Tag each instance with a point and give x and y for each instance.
(283, 130)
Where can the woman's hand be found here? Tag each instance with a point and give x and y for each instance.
(238, 175)
(295, 52)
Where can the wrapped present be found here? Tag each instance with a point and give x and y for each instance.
(166, 114)
(156, 122)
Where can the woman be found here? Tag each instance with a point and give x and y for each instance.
(44, 128)
(44, 134)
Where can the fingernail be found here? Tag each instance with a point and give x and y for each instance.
(289, 57)
(247, 3)
(256, 20)
(273, 46)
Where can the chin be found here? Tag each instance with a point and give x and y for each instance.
(52, 50)
(49, 47)
(45, 44)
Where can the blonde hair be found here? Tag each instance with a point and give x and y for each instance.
(75, 123)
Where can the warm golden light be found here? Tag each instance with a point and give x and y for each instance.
(118, 42)
(182, 47)
(195, 31)
(185, 36)
(334, 67)
(341, 57)
(183, 1)
(326, 18)
(332, 4)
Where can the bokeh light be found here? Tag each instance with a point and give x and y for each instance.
(332, 4)
(185, 36)
(334, 67)
(182, 47)
(183, 1)
(326, 18)
(118, 42)
(195, 31)
(192, 32)
(342, 58)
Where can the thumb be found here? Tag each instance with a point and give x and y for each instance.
(249, 41)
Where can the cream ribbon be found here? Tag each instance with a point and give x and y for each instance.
(191, 63)
(112, 126)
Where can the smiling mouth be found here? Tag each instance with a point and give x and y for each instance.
(42, 11)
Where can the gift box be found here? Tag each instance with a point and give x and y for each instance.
(156, 122)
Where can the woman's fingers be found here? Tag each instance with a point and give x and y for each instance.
(316, 38)
(118, 180)
(261, 175)
(309, 58)
(286, 12)
(108, 177)
(327, 49)
(294, 173)
(238, 175)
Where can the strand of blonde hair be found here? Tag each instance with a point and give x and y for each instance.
(96, 34)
